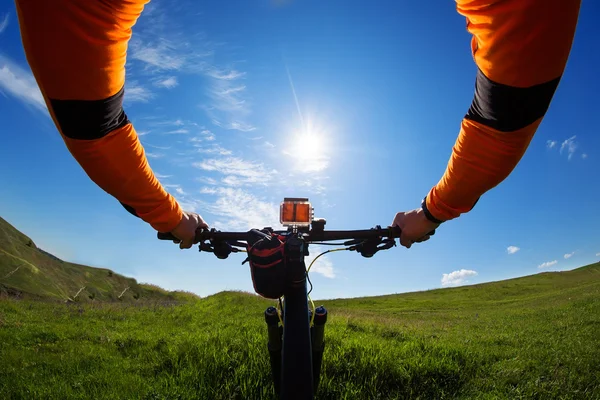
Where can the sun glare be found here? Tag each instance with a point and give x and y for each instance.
(308, 146)
(310, 149)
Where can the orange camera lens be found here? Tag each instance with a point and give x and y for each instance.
(295, 212)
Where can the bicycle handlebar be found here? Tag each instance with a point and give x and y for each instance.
(310, 236)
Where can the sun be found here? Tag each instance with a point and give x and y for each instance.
(309, 148)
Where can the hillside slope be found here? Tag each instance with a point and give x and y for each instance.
(28, 271)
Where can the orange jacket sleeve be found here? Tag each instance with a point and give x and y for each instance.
(520, 48)
(76, 50)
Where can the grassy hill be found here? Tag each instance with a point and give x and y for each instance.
(26, 270)
(535, 337)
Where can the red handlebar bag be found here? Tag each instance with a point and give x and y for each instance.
(267, 266)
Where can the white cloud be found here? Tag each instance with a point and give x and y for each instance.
(206, 136)
(569, 255)
(209, 190)
(161, 176)
(178, 132)
(222, 75)
(180, 191)
(547, 264)
(157, 147)
(551, 143)
(161, 55)
(456, 278)
(207, 180)
(3, 23)
(167, 83)
(154, 155)
(21, 84)
(215, 149)
(143, 133)
(512, 249)
(570, 145)
(233, 125)
(240, 210)
(227, 100)
(238, 172)
(597, 254)
(240, 126)
(584, 156)
(135, 92)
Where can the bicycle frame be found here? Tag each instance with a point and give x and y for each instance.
(295, 372)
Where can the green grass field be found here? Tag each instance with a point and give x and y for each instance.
(536, 337)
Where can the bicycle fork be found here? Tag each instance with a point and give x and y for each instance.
(275, 342)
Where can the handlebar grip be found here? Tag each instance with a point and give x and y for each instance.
(167, 236)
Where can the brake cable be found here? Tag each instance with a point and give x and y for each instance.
(312, 318)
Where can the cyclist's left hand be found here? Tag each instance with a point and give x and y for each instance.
(414, 225)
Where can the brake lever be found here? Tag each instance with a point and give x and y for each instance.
(206, 247)
(368, 248)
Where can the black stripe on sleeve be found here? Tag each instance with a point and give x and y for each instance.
(90, 119)
(507, 108)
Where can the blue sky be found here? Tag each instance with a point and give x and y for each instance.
(221, 92)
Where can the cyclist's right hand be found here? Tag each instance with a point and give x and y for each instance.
(186, 230)
(415, 226)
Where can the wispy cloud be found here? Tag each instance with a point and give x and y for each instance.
(215, 149)
(167, 83)
(209, 190)
(569, 255)
(233, 125)
(19, 83)
(224, 75)
(142, 133)
(178, 132)
(238, 171)
(207, 180)
(597, 254)
(238, 209)
(547, 264)
(570, 145)
(134, 92)
(205, 135)
(157, 147)
(154, 155)
(584, 156)
(161, 47)
(160, 54)
(3, 23)
(459, 277)
(512, 249)
(551, 144)
(229, 108)
(161, 176)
